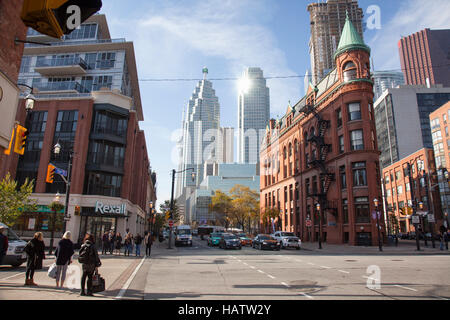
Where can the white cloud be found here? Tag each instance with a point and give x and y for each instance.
(412, 16)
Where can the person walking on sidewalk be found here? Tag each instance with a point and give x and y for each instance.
(112, 241)
(3, 244)
(128, 240)
(35, 254)
(118, 242)
(88, 257)
(63, 254)
(148, 241)
(105, 243)
(138, 242)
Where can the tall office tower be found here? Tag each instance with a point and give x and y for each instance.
(327, 21)
(200, 132)
(425, 55)
(384, 80)
(253, 114)
(225, 145)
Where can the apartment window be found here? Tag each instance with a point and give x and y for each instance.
(85, 31)
(446, 131)
(362, 211)
(444, 116)
(349, 71)
(26, 64)
(314, 185)
(388, 193)
(354, 111)
(435, 124)
(357, 140)
(408, 187)
(343, 177)
(102, 82)
(400, 190)
(341, 144)
(307, 187)
(297, 192)
(91, 60)
(106, 60)
(345, 210)
(339, 117)
(87, 83)
(386, 179)
(398, 175)
(103, 184)
(359, 174)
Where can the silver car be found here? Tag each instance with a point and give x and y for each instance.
(287, 240)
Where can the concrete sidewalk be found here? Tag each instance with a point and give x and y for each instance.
(115, 269)
(405, 247)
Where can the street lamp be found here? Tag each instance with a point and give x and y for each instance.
(320, 226)
(375, 202)
(57, 151)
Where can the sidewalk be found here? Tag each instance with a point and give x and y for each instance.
(405, 247)
(115, 269)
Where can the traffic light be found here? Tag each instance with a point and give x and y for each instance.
(167, 214)
(409, 210)
(77, 210)
(56, 18)
(21, 140)
(50, 173)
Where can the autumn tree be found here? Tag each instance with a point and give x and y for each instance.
(245, 207)
(14, 200)
(221, 204)
(270, 213)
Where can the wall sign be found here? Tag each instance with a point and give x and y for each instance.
(105, 209)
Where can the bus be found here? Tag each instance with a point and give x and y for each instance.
(205, 230)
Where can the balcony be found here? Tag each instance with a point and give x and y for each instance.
(61, 87)
(61, 66)
(33, 35)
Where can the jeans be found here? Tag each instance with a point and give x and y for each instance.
(128, 249)
(138, 250)
(148, 250)
(442, 245)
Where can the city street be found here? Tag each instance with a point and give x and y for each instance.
(203, 273)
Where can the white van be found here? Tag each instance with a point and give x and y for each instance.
(15, 255)
(183, 235)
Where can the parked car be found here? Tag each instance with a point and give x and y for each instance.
(287, 240)
(265, 241)
(166, 234)
(214, 239)
(229, 240)
(246, 240)
(15, 255)
(195, 232)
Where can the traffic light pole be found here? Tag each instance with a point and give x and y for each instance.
(411, 190)
(171, 207)
(68, 182)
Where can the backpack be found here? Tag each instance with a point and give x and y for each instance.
(86, 255)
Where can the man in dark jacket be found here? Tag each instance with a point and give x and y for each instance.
(90, 265)
(3, 244)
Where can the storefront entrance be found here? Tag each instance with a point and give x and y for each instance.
(97, 226)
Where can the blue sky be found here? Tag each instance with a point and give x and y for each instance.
(177, 38)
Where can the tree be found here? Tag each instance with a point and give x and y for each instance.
(14, 200)
(246, 206)
(270, 213)
(221, 204)
(165, 208)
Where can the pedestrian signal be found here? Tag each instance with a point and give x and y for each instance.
(50, 173)
(21, 140)
(56, 18)
(77, 210)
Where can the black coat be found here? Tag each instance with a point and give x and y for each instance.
(35, 253)
(64, 252)
(90, 267)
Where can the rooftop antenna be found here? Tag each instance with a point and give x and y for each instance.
(205, 72)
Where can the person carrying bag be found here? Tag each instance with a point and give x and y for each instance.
(88, 257)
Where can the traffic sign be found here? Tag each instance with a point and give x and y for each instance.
(171, 223)
(415, 219)
(431, 218)
(308, 223)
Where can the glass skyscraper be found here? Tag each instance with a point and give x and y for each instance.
(253, 114)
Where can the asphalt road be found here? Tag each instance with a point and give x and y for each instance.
(203, 273)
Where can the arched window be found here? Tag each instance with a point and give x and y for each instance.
(295, 146)
(290, 149)
(349, 71)
(284, 153)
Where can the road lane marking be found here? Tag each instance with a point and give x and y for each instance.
(130, 279)
(397, 285)
(270, 276)
(343, 271)
(304, 294)
(312, 264)
(17, 274)
(441, 298)
(285, 284)
(325, 267)
(260, 271)
(252, 267)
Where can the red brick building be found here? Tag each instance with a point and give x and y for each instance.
(324, 151)
(401, 193)
(424, 55)
(11, 28)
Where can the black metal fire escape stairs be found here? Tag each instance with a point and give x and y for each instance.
(318, 139)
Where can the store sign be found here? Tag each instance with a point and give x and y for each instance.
(104, 209)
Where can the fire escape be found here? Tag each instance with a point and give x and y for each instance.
(326, 177)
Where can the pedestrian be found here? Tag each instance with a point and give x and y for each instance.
(63, 254)
(118, 242)
(35, 254)
(112, 240)
(88, 257)
(3, 244)
(128, 240)
(105, 243)
(148, 241)
(138, 242)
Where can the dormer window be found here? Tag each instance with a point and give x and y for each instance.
(349, 71)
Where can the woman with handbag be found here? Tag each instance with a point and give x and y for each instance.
(88, 257)
(35, 254)
(63, 254)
